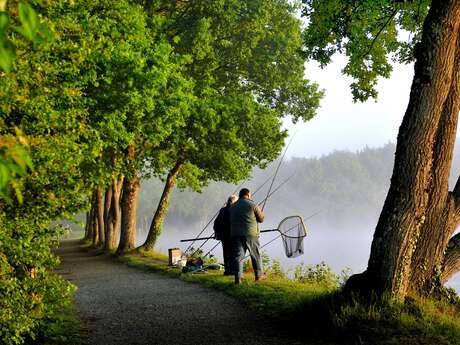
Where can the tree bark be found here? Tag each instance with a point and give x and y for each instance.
(100, 215)
(162, 209)
(113, 211)
(442, 214)
(94, 222)
(88, 234)
(412, 199)
(131, 189)
(451, 264)
(107, 205)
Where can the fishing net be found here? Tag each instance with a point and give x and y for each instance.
(293, 231)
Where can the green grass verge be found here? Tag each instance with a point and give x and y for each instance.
(322, 314)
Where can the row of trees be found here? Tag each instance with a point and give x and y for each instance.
(193, 91)
(119, 90)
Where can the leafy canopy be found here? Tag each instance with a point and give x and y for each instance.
(370, 33)
(248, 73)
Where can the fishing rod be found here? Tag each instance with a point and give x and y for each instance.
(264, 201)
(213, 217)
(206, 239)
(277, 188)
(214, 247)
(277, 169)
(212, 237)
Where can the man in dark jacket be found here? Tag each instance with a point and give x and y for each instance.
(244, 218)
(222, 233)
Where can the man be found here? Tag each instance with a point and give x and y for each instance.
(244, 216)
(222, 233)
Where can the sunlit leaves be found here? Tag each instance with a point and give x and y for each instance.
(7, 49)
(32, 27)
(370, 33)
(14, 162)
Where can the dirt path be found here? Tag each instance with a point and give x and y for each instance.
(123, 305)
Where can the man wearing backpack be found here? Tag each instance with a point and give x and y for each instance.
(244, 218)
(222, 233)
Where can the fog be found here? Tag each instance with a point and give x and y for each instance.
(347, 189)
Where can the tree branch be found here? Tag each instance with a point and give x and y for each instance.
(451, 259)
(392, 15)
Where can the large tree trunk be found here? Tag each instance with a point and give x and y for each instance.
(131, 189)
(113, 214)
(100, 215)
(442, 217)
(162, 209)
(417, 199)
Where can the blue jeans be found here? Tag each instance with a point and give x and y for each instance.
(239, 246)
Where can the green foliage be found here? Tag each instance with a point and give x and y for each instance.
(368, 32)
(234, 121)
(14, 159)
(319, 274)
(32, 296)
(384, 321)
(31, 28)
(14, 163)
(52, 99)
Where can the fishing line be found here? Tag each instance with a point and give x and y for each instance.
(277, 169)
(210, 238)
(213, 217)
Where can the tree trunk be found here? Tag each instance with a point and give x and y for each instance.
(417, 198)
(442, 217)
(107, 204)
(88, 234)
(94, 222)
(100, 215)
(131, 189)
(113, 214)
(162, 209)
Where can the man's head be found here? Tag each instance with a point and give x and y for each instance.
(245, 193)
(231, 199)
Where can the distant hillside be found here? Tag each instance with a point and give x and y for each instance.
(348, 188)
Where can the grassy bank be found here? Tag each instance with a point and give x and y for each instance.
(312, 306)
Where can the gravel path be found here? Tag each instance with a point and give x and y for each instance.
(123, 305)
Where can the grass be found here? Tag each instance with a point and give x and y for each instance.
(314, 309)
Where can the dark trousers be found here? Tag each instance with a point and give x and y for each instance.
(227, 252)
(241, 244)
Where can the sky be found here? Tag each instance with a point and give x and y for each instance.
(341, 124)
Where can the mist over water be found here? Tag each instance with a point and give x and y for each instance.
(347, 189)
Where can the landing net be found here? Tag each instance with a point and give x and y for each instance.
(293, 231)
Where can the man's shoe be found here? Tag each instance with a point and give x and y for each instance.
(262, 277)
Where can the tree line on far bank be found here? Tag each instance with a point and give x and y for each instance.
(347, 187)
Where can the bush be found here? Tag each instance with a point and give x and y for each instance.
(319, 274)
(31, 295)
